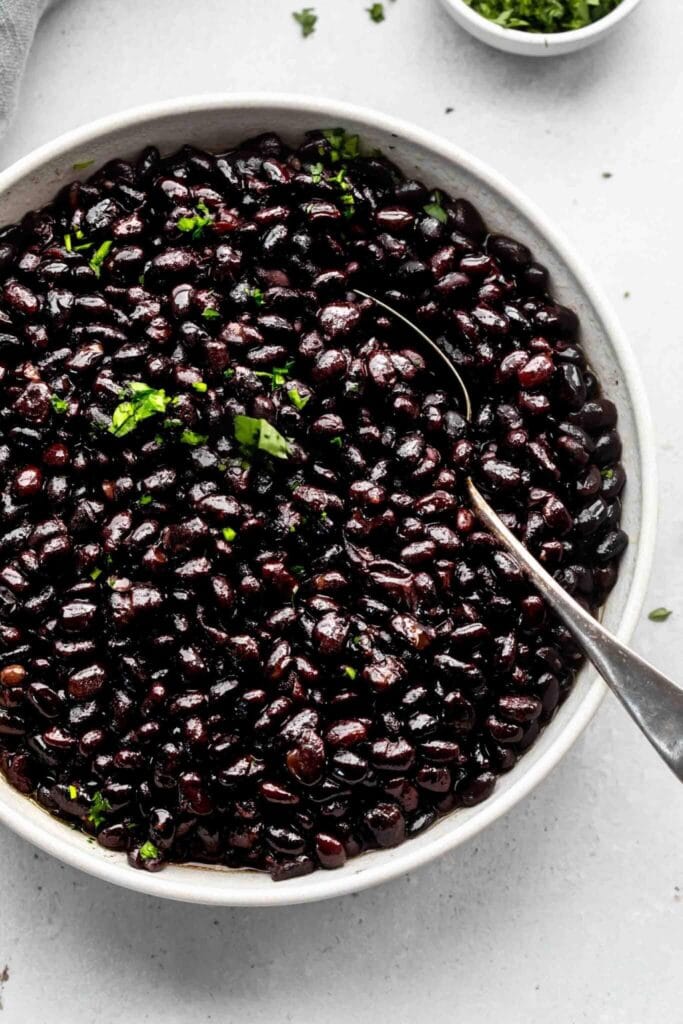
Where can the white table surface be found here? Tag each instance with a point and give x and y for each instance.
(571, 908)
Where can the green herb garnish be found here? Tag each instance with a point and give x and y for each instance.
(342, 146)
(278, 375)
(99, 807)
(229, 372)
(196, 223)
(437, 211)
(298, 401)
(350, 671)
(146, 499)
(99, 256)
(260, 434)
(337, 442)
(257, 295)
(210, 314)
(229, 534)
(200, 386)
(95, 574)
(144, 402)
(543, 15)
(60, 405)
(317, 171)
(192, 438)
(607, 474)
(659, 614)
(376, 13)
(67, 243)
(73, 792)
(306, 19)
(81, 165)
(148, 851)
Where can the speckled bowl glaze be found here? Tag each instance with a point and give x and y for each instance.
(214, 122)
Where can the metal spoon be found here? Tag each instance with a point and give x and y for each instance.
(654, 702)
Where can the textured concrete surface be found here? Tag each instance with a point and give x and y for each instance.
(571, 908)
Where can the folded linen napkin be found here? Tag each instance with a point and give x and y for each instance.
(18, 21)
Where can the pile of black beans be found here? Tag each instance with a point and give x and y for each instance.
(220, 651)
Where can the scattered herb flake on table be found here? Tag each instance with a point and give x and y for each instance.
(659, 614)
(376, 12)
(306, 19)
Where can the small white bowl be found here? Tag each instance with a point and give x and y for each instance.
(216, 122)
(536, 44)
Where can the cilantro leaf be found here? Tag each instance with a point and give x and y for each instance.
(148, 851)
(60, 405)
(260, 434)
(229, 534)
(99, 256)
(81, 165)
(278, 375)
(298, 401)
(257, 296)
(376, 13)
(200, 386)
(192, 438)
(143, 402)
(437, 211)
(210, 314)
(146, 499)
(306, 19)
(197, 222)
(99, 807)
(659, 614)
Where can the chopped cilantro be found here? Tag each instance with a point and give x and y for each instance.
(229, 372)
(607, 474)
(148, 851)
(81, 165)
(200, 386)
(99, 807)
(67, 243)
(543, 15)
(257, 296)
(143, 402)
(306, 19)
(437, 211)
(146, 499)
(210, 314)
(278, 375)
(229, 534)
(376, 13)
(192, 438)
(95, 574)
(60, 405)
(73, 792)
(298, 401)
(196, 223)
(317, 171)
(342, 146)
(99, 256)
(659, 614)
(298, 570)
(350, 671)
(259, 433)
(337, 442)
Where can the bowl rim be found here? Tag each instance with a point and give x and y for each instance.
(532, 41)
(373, 867)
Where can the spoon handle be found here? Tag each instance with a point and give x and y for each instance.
(654, 702)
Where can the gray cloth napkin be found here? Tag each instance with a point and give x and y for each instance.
(18, 20)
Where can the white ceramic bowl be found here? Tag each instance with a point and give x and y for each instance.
(217, 121)
(536, 44)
